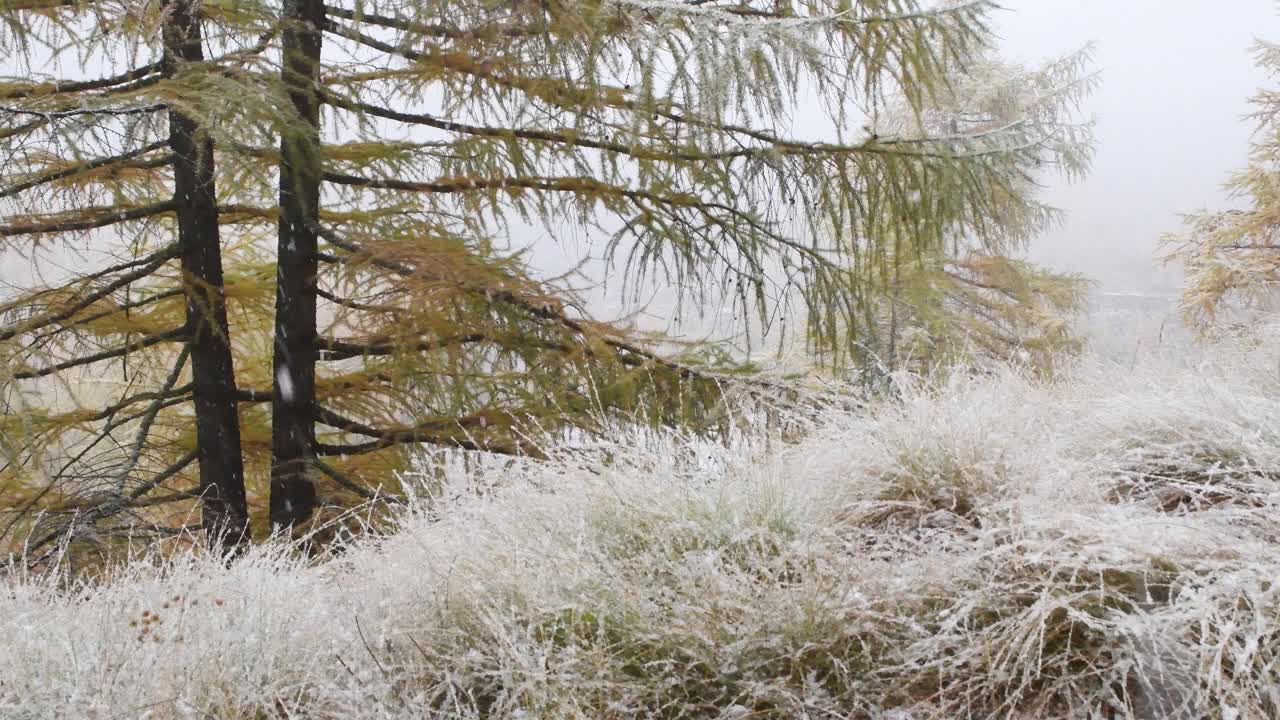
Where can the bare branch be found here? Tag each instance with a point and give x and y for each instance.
(148, 419)
(352, 485)
(145, 342)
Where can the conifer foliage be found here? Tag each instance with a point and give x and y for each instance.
(1234, 255)
(967, 297)
(317, 212)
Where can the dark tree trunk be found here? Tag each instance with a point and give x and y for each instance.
(225, 513)
(293, 495)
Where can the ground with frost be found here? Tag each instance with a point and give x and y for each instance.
(1102, 546)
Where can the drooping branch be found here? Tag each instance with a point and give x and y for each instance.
(114, 310)
(179, 333)
(547, 311)
(145, 266)
(716, 215)
(73, 86)
(434, 432)
(84, 219)
(561, 93)
(114, 160)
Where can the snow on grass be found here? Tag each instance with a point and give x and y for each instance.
(1101, 546)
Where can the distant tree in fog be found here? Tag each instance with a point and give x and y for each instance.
(1235, 254)
(969, 295)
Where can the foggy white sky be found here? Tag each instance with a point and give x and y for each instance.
(1176, 75)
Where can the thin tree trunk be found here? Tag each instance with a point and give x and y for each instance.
(225, 512)
(895, 297)
(293, 495)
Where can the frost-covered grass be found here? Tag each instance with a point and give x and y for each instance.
(1105, 546)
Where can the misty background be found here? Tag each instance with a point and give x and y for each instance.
(1171, 125)
(1170, 107)
(1176, 76)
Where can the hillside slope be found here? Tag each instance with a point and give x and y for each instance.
(1105, 546)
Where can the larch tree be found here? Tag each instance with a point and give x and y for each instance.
(970, 298)
(662, 128)
(293, 399)
(405, 156)
(213, 385)
(110, 182)
(1234, 255)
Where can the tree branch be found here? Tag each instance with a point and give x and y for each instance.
(333, 349)
(253, 396)
(145, 265)
(434, 29)
(573, 184)
(69, 86)
(548, 311)
(435, 432)
(58, 114)
(352, 485)
(160, 395)
(145, 342)
(354, 304)
(91, 165)
(122, 308)
(148, 419)
(107, 215)
(564, 138)
(120, 503)
(38, 5)
(6, 133)
(619, 101)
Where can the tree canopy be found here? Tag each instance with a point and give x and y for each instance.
(321, 213)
